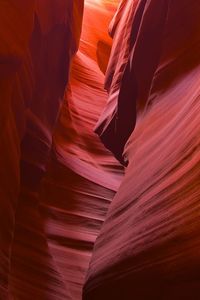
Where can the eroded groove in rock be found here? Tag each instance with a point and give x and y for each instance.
(149, 244)
(83, 176)
(58, 183)
(37, 42)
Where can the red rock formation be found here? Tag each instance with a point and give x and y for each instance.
(38, 39)
(13, 49)
(57, 180)
(149, 244)
(82, 177)
(42, 255)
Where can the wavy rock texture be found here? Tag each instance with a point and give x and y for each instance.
(13, 49)
(47, 239)
(52, 45)
(38, 39)
(57, 181)
(149, 245)
(82, 176)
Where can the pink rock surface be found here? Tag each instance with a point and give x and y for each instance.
(46, 241)
(83, 176)
(60, 188)
(149, 245)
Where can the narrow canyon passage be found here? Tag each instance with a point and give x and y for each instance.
(81, 179)
(78, 221)
(83, 176)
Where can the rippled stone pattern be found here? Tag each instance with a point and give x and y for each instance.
(36, 46)
(61, 75)
(82, 176)
(149, 246)
(48, 230)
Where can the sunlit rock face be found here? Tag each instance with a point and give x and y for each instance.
(149, 245)
(82, 175)
(57, 180)
(47, 239)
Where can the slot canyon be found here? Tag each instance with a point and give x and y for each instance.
(99, 150)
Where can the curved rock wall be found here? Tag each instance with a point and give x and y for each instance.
(50, 238)
(57, 181)
(83, 176)
(148, 247)
(38, 39)
(13, 51)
